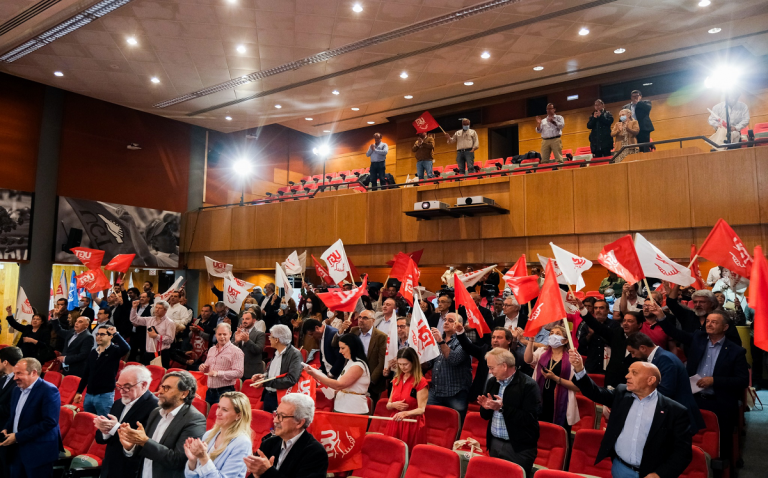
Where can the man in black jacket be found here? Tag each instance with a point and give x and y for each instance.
(135, 404)
(599, 124)
(305, 458)
(592, 344)
(616, 338)
(8, 358)
(78, 343)
(511, 405)
(101, 369)
(648, 434)
(121, 312)
(691, 320)
(641, 111)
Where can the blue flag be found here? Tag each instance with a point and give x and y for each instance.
(72, 297)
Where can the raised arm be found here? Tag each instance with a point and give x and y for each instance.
(467, 345)
(588, 388)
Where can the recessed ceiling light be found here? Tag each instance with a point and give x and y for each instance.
(408, 97)
(132, 41)
(326, 131)
(371, 122)
(155, 79)
(469, 83)
(335, 92)
(240, 48)
(403, 75)
(58, 73)
(584, 31)
(232, 1)
(619, 51)
(355, 109)
(485, 55)
(715, 30)
(704, 3)
(278, 106)
(308, 119)
(357, 8)
(228, 118)
(572, 97)
(647, 84)
(538, 68)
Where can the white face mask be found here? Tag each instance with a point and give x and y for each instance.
(555, 341)
(330, 314)
(308, 306)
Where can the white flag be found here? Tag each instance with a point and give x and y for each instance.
(656, 264)
(24, 310)
(392, 340)
(216, 268)
(234, 295)
(336, 258)
(303, 262)
(244, 284)
(560, 277)
(420, 337)
(292, 264)
(471, 279)
(281, 280)
(130, 281)
(164, 296)
(571, 265)
(61, 289)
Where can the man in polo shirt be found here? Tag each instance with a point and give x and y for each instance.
(467, 143)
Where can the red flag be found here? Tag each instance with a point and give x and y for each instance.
(93, 281)
(758, 295)
(91, 258)
(202, 384)
(694, 267)
(341, 434)
(322, 272)
(425, 123)
(475, 319)
(305, 385)
(410, 280)
(399, 266)
(525, 289)
(723, 247)
(549, 307)
(343, 300)
(620, 257)
(120, 263)
(520, 269)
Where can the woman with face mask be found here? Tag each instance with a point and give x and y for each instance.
(625, 133)
(552, 371)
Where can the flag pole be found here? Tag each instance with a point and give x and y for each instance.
(382, 290)
(696, 256)
(645, 281)
(565, 321)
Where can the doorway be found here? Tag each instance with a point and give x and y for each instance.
(503, 142)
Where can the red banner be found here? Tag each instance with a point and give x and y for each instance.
(342, 436)
(620, 257)
(202, 384)
(694, 267)
(409, 281)
(91, 258)
(120, 263)
(343, 300)
(758, 295)
(425, 123)
(306, 385)
(322, 272)
(475, 319)
(93, 281)
(723, 247)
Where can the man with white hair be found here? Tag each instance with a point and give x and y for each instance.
(287, 361)
(691, 320)
(451, 370)
(292, 452)
(160, 332)
(224, 365)
(179, 314)
(135, 404)
(512, 318)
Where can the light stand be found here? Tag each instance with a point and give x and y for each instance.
(323, 151)
(242, 168)
(727, 121)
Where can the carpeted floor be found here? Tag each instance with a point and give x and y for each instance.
(756, 443)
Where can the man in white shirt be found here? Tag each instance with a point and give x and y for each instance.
(511, 315)
(630, 301)
(180, 315)
(738, 115)
(386, 316)
(551, 128)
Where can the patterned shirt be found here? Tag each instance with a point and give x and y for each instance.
(550, 130)
(228, 362)
(498, 427)
(452, 374)
(165, 327)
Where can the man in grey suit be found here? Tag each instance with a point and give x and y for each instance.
(78, 343)
(251, 342)
(287, 361)
(161, 447)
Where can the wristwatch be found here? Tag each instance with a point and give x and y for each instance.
(441, 343)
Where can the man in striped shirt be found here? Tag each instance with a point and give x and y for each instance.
(224, 365)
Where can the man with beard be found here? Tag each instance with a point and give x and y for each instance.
(691, 320)
(101, 368)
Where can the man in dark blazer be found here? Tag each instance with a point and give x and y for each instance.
(641, 111)
(375, 350)
(616, 337)
(161, 446)
(511, 404)
(78, 343)
(32, 429)
(674, 379)
(9, 357)
(251, 342)
(329, 355)
(306, 457)
(444, 306)
(139, 333)
(135, 405)
(648, 433)
(84, 307)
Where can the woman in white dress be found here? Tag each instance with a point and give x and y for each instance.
(352, 385)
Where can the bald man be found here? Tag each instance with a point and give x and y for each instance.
(648, 434)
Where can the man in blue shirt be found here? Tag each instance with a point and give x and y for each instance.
(378, 154)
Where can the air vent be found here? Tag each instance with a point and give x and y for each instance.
(27, 15)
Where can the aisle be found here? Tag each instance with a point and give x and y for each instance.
(756, 444)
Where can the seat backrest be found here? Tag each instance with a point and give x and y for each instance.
(587, 412)
(595, 294)
(68, 389)
(80, 435)
(53, 378)
(598, 379)
(485, 466)
(158, 373)
(442, 425)
(261, 424)
(529, 161)
(450, 167)
(586, 444)
(475, 427)
(379, 426)
(201, 406)
(383, 457)
(760, 128)
(555, 474)
(211, 420)
(583, 150)
(552, 446)
(66, 417)
(428, 461)
(97, 450)
(698, 467)
(708, 438)
(437, 169)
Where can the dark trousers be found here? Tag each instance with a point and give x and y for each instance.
(644, 137)
(377, 172)
(726, 419)
(270, 400)
(504, 450)
(138, 342)
(601, 151)
(213, 394)
(165, 357)
(466, 162)
(19, 469)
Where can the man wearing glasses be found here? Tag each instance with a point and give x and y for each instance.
(135, 404)
(101, 370)
(444, 304)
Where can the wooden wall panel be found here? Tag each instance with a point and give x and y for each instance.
(323, 211)
(268, 230)
(213, 231)
(188, 225)
(293, 224)
(21, 110)
(549, 203)
(761, 163)
(384, 213)
(595, 191)
(540, 245)
(412, 229)
(590, 245)
(245, 223)
(675, 243)
(659, 194)
(351, 218)
(513, 225)
(504, 252)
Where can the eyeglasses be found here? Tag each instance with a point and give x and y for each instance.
(102, 335)
(280, 417)
(165, 388)
(125, 388)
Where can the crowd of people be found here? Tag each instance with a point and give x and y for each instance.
(645, 345)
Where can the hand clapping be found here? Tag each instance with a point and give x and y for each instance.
(489, 403)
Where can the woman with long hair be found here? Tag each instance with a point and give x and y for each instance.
(221, 451)
(352, 385)
(408, 400)
(35, 341)
(552, 371)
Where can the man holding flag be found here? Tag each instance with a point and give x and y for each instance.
(467, 143)
(451, 370)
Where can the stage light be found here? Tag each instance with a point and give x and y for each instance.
(308, 119)
(58, 73)
(619, 51)
(357, 8)
(155, 80)
(371, 122)
(724, 77)
(408, 97)
(335, 92)
(240, 48)
(469, 83)
(278, 106)
(704, 3)
(355, 109)
(323, 150)
(243, 167)
(132, 41)
(228, 118)
(403, 75)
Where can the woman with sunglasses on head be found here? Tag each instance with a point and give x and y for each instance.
(352, 385)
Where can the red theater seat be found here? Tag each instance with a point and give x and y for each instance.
(383, 457)
(54, 378)
(552, 446)
(583, 150)
(485, 466)
(66, 417)
(494, 162)
(379, 426)
(253, 394)
(587, 413)
(201, 406)
(80, 435)
(211, 420)
(708, 438)
(442, 426)
(556, 474)
(96, 453)
(68, 389)
(698, 468)
(585, 448)
(595, 294)
(429, 461)
(475, 427)
(261, 423)
(158, 373)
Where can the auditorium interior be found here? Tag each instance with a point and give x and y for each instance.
(242, 127)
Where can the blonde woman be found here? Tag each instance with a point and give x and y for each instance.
(221, 452)
(624, 133)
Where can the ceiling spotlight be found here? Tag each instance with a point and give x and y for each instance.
(485, 55)
(357, 8)
(58, 73)
(308, 119)
(326, 131)
(715, 30)
(232, 1)
(584, 31)
(371, 122)
(619, 51)
(132, 41)
(647, 84)
(278, 106)
(704, 3)
(538, 68)
(403, 75)
(469, 83)
(228, 118)
(408, 97)
(335, 92)
(240, 48)
(355, 109)
(155, 80)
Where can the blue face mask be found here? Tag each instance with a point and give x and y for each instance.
(465, 127)
(622, 118)
(610, 300)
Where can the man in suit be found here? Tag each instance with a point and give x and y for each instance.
(375, 345)
(331, 360)
(135, 404)
(139, 332)
(251, 342)
(84, 307)
(287, 361)
(641, 111)
(270, 304)
(512, 315)
(9, 357)
(511, 404)
(160, 449)
(78, 343)
(444, 307)
(292, 452)
(593, 345)
(648, 434)
(722, 366)
(616, 338)
(32, 428)
(691, 320)
(674, 381)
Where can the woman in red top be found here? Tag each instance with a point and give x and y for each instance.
(408, 400)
